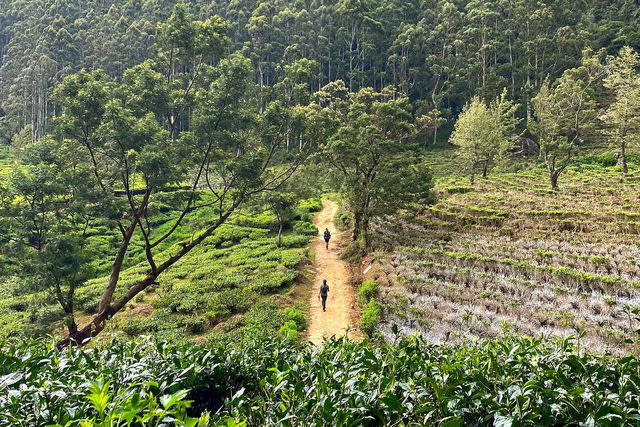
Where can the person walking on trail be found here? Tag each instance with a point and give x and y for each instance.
(324, 293)
(327, 237)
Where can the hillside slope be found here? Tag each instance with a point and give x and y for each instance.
(511, 253)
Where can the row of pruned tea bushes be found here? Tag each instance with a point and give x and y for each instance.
(573, 225)
(270, 382)
(419, 229)
(554, 219)
(617, 250)
(451, 322)
(562, 275)
(505, 299)
(466, 219)
(430, 276)
(546, 273)
(438, 308)
(617, 260)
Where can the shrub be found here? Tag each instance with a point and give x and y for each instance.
(305, 228)
(294, 241)
(290, 331)
(290, 258)
(297, 316)
(368, 290)
(605, 159)
(265, 380)
(265, 219)
(139, 325)
(313, 204)
(352, 252)
(232, 300)
(459, 189)
(270, 282)
(194, 324)
(370, 317)
(343, 221)
(264, 318)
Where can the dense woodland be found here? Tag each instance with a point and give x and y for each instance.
(162, 163)
(438, 53)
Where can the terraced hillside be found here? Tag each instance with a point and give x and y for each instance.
(509, 253)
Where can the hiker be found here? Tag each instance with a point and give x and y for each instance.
(324, 293)
(327, 236)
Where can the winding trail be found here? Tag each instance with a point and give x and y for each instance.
(341, 312)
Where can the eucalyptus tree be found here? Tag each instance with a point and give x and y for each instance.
(429, 123)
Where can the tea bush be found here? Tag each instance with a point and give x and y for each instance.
(274, 381)
(305, 228)
(221, 280)
(510, 252)
(367, 290)
(309, 205)
(370, 317)
(297, 316)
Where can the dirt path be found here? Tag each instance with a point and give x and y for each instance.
(341, 302)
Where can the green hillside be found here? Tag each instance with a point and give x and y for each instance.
(239, 279)
(319, 213)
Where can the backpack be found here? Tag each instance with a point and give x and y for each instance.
(324, 289)
(327, 234)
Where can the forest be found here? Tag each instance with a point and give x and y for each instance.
(178, 179)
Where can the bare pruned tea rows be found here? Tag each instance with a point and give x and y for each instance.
(508, 253)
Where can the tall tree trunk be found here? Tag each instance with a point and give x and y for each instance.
(365, 233)
(435, 132)
(553, 176)
(97, 323)
(280, 226)
(357, 223)
(623, 158)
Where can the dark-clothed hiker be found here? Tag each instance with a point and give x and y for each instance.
(324, 293)
(327, 237)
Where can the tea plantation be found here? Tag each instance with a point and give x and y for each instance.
(509, 251)
(513, 381)
(238, 279)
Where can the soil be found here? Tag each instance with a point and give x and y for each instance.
(341, 314)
